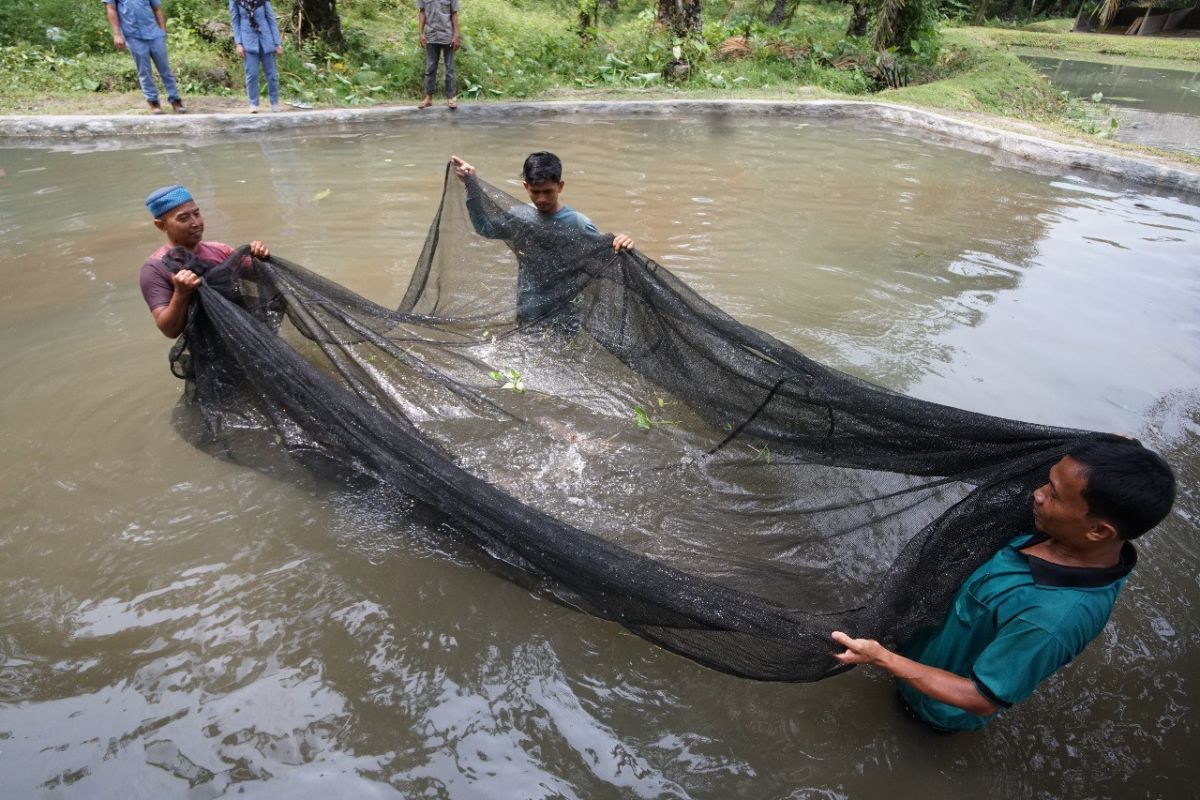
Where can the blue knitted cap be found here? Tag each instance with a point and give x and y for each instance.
(160, 201)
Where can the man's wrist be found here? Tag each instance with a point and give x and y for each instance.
(886, 660)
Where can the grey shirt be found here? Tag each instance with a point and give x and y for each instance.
(437, 19)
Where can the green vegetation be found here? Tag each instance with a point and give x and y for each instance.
(511, 49)
(1056, 35)
(973, 77)
(508, 378)
(62, 59)
(642, 418)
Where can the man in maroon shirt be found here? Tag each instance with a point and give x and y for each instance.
(168, 293)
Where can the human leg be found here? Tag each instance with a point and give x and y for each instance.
(251, 61)
(158, 52)
(140, 50)
(451, 82)
(268, 64)
(432, 53)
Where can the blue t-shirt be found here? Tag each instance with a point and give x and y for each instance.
(540, 266)
(137, 18)
(1013, 623)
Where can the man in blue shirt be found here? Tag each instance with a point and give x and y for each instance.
(141, 27)
(538, 268)
(1034, 606)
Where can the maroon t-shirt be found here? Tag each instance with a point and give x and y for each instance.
(156, 276)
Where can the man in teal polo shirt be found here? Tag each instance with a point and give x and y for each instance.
(1034, 606)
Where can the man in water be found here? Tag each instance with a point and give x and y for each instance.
(542, 178)
(169, 292)
(1036, 604)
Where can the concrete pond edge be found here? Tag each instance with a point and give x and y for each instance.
(53, 130)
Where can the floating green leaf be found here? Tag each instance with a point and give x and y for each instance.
(509, 378)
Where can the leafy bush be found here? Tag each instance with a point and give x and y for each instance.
(60, 25)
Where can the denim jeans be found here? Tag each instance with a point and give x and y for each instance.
(432, 51)
(145, 51)
(267, 59)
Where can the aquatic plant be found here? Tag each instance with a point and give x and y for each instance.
(509, 378)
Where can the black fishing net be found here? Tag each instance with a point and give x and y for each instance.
(596, 427)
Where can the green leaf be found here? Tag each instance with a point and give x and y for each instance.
(321, 195)
(91, 84)
(641, 418)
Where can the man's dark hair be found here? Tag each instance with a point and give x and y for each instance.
(1127, 485)
(541, 167)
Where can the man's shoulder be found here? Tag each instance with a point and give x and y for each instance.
(155, 259)
(571, 216)
(1070, 616)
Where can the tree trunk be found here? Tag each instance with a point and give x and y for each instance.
(981, 12)
(319, 19)
(860, 18)
(681, 16)
(780, 12)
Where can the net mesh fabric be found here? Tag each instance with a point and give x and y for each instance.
(763, 501)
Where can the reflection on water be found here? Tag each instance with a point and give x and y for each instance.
(176, 625)
(1156, 107)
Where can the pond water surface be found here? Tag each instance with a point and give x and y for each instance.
(1153, 106)
(174, 625)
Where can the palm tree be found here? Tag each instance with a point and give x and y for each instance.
(319, 18)
(681, 16)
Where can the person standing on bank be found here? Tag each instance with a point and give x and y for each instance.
(437, 25)
(1034, 606)
(257, 37)
(140, 27)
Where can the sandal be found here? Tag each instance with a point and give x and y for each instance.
(426, 103)
(452, 103)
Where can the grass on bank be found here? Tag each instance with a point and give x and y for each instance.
(1056, 35)
(511, 49)
(63, 62)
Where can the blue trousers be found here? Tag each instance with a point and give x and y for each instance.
(267, 59)
(144, 52)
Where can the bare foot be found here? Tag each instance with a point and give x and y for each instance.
(452, 102)
(426, 103)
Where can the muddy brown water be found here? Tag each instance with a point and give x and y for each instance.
(174, 625)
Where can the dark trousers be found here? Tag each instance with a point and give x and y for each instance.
(431, 64)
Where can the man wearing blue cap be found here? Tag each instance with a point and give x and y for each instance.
(168, 292)
(140, 27)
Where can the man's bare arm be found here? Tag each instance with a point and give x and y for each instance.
(939, 684)
(114, 22)
(172, 318)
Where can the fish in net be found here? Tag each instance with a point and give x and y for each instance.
(598, 428)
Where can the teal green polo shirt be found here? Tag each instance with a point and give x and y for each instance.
(1013, 623)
